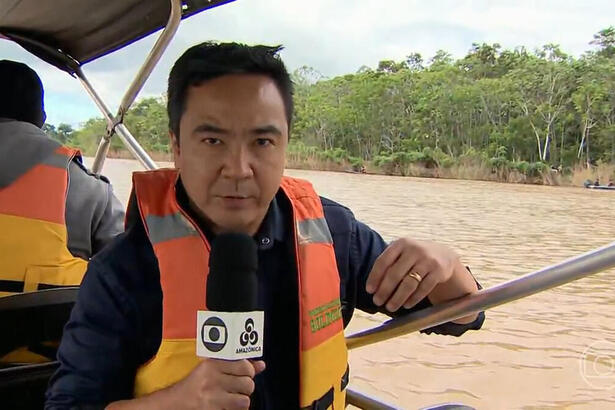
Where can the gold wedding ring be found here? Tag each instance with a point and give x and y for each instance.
(415, 276)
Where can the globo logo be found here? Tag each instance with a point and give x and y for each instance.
(214, 334)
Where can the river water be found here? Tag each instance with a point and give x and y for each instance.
(551, 350)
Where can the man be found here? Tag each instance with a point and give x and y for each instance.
(130, 341)
(54, 214)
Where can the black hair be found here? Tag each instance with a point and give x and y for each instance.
(21, 93)
(209, 60)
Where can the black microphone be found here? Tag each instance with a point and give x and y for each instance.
(232, 327)
(232, 283)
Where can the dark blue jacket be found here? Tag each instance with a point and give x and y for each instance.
(115, 326)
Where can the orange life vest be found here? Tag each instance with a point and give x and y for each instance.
(34, 239)
(34, 243)
(183, 254)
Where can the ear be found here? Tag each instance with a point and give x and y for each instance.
(174, 141)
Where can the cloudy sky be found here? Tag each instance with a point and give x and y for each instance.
(333, 36)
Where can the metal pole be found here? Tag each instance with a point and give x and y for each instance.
(154, 56)
(106, 112)
(133, 146)
(366, 402)
(547, 278)
(105, 142)
(115, 123)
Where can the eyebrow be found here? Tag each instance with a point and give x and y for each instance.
(263, 130)
(267, 129)
(206, 127)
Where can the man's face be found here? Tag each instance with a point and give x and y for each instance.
(231, 153)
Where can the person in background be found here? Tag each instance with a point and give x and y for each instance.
(54, 213)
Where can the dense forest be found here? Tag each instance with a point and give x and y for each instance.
(515, 114)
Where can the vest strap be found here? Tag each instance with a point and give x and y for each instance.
(326, 400)
(18, 286)
(15, 286)
(323, 403)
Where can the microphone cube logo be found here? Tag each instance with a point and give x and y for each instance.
(214, 334)
(249, 335)
(230, 335)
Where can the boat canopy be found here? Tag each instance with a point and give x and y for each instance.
(70, 33)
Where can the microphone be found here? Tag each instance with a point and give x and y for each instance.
(232, 327)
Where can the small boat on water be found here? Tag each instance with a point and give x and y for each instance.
(604, 187)
(589, 185)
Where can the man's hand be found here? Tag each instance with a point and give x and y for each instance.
(213, 384)
(394, 282)
(218, 384)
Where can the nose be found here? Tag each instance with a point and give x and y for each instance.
(237, 164)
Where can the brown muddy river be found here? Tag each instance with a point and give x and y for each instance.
(551, 350)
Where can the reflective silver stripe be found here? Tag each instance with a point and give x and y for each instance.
(313, 231)
(165, 228)
(23, 147)
(57, 160)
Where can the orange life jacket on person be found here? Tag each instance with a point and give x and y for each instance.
(183, 254)
(34, 239)
(34, 242)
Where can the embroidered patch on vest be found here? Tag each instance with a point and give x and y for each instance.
(325, 315)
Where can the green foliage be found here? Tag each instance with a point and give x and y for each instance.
(495, 107)
(503, 109)
(64, 133)
(146, 120)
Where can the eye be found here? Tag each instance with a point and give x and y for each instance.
(263, 142)
(212, 141)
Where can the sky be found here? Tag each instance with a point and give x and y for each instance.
(334, 37)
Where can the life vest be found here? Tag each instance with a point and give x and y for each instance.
(34, 242)
(183, 254)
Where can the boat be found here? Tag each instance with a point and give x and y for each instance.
(71, 33)
(601, 187)
(596, 185)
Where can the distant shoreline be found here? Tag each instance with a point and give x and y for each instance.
(472, 173)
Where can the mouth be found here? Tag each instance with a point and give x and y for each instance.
(236, 197)
(235, 201)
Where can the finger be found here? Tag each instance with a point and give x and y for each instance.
(237, 384)
(429, 282)
(393, 277)
(231, 401)
(236, 367)
(407, 286)
(259, 366)
(386, 259)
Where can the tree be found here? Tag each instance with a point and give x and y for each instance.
(542, 92)
(605, 40)
(50, 130)
(390, 66)
(482, 61)
(65, 133)
(415, 62)
(440, 59)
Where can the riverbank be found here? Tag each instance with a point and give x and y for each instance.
(467, 171)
